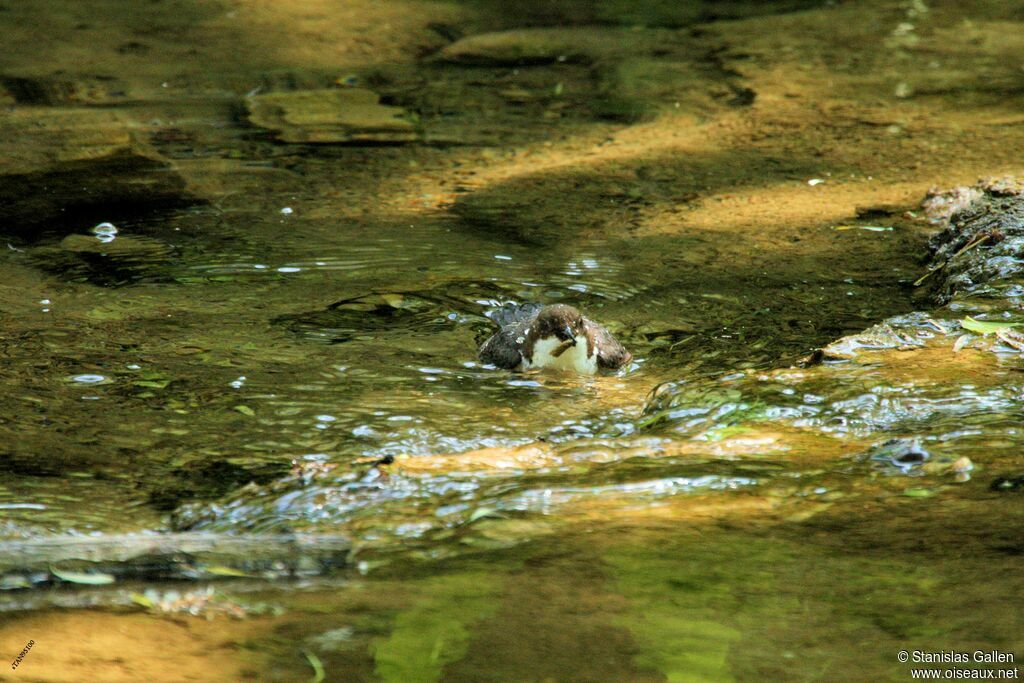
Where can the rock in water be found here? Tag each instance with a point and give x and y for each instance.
(125, 248)
(340, 115)
(55, 163)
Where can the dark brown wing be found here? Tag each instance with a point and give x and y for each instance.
(503, 349)
(611, 355)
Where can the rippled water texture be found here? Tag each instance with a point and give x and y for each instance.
(249, 251)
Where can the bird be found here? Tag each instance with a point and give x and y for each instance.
(555, 336)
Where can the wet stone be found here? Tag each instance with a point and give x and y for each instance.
(982, 240)
(342, 115)
(886, 335)
(903, 454)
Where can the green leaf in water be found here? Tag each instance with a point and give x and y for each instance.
(652, 420)
(919, 493)
(722, 433)
(245, 410)
(318, 667)
(220, 570)
(480, 513)
(141, 600)
(86, 578)
(153, 383)
(982, 327)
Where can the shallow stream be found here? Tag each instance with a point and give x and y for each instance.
(244, 435)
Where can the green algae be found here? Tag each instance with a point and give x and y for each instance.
(436, 630)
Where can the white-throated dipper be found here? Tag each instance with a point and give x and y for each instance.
(556, 336)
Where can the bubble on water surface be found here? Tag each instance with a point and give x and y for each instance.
(105, 232)
(89, 379)
(522, 383)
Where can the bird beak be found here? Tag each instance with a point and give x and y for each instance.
(567, 331)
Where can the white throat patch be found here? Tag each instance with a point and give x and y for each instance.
(573, 359)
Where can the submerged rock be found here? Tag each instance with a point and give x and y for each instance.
(105, 260)
(57, 164)
(56, 90)
(903, 454)
(881, 336)
(340, 115)
(146, 556)
(529, 46)
(126, 248)
(442, 306)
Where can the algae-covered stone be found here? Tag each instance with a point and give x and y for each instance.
(881, 336)
(343, 115)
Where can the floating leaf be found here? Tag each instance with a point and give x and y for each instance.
(153, 383)
(962, 341)
(86, 578)
(318, 667)
(141, 600)
(220, 570)
(480, 513)
(982, 327)
(245, 410)
(723, 433)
